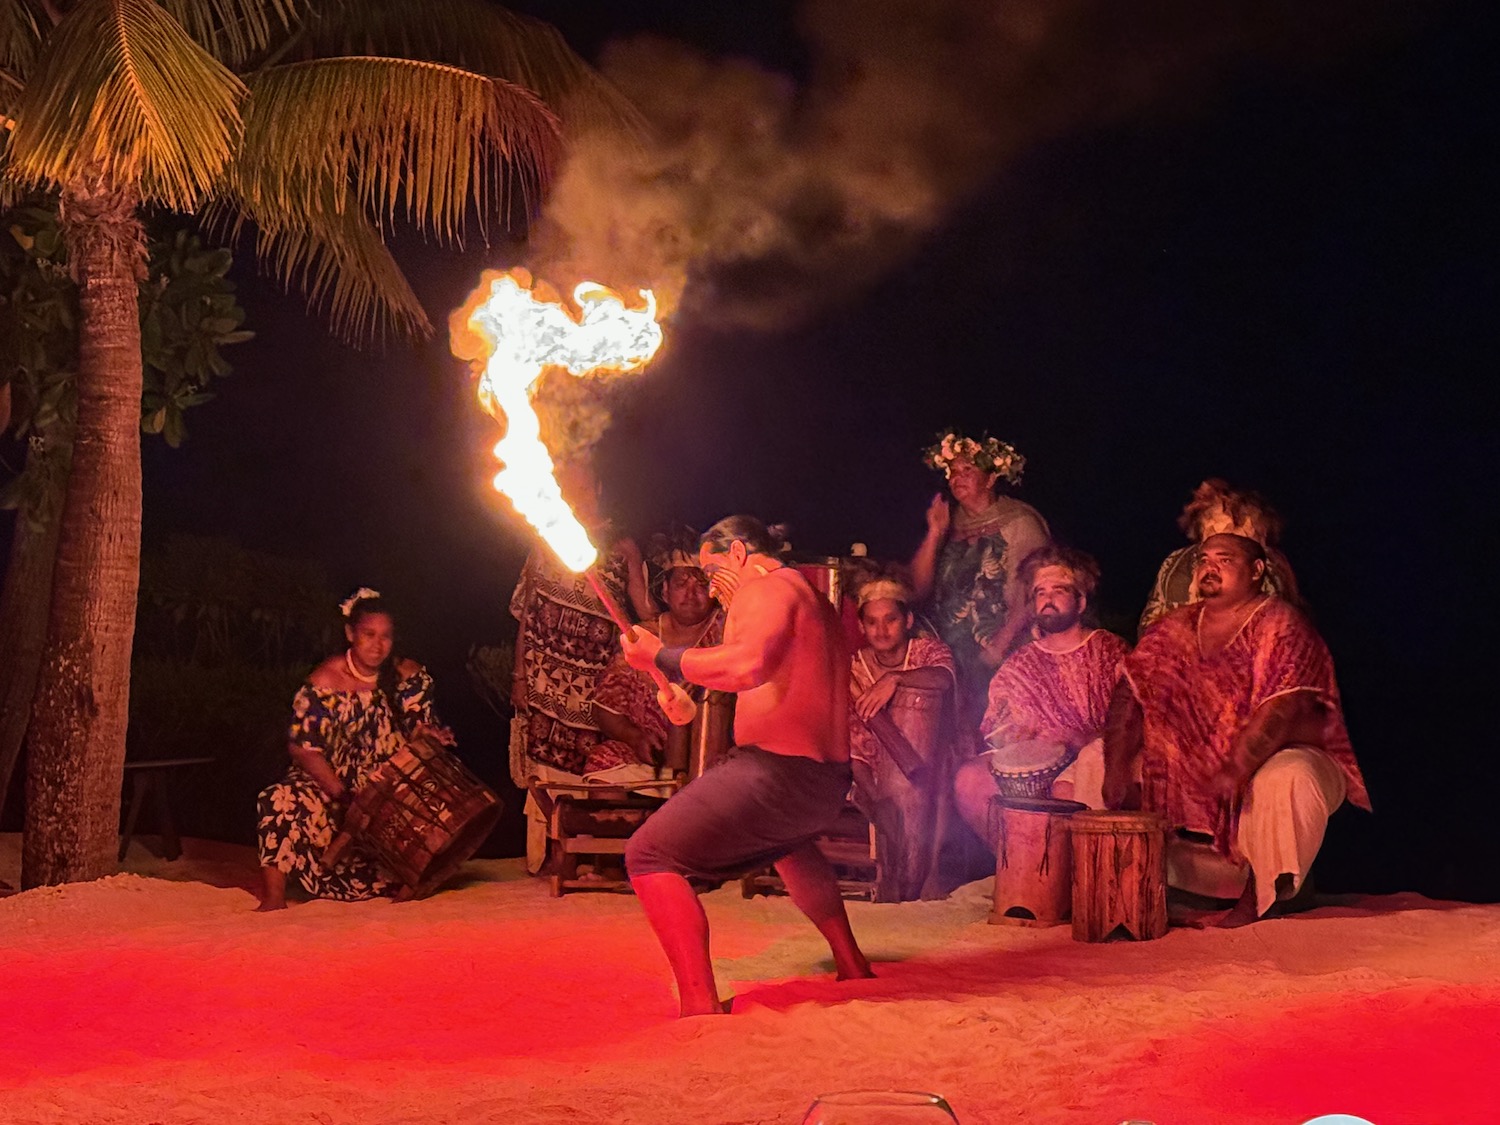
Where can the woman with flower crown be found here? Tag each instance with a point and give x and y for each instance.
(354, 712)
(965, 568)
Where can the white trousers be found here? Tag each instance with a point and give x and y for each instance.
(1086, 775)
(1282, 822)
(1286, 811)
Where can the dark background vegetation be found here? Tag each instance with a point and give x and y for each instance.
(1289, 283)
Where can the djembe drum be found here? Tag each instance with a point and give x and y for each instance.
(1033, 860)
(421, 813)
(1028, 769)
(1119, 875)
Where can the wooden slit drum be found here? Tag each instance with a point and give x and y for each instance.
(1119, 875)
(421, 813)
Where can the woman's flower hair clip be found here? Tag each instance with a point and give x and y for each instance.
(988, 454)
(362, 594)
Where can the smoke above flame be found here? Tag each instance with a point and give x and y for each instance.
(514, 332)
(759, 197)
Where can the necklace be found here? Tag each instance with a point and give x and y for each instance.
(361, 677)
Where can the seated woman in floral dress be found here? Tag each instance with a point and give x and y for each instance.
(355, 711)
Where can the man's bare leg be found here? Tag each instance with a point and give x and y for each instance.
(677, 917)
(973, 790)
(815, 890)
(273, 889)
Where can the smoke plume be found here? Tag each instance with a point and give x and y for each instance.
(757, 199)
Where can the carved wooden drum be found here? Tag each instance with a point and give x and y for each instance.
(1033, 860)
(1119, 875)
(421, 813)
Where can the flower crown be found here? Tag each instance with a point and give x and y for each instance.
(989, 455)
(363, 593)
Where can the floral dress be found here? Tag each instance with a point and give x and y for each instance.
(974, 570)
(355, 731)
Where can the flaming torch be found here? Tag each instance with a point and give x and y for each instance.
(518, 333)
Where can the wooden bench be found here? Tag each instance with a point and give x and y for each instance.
(593, 821)
(150, 777)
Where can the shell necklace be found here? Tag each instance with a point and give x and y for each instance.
(360, 676)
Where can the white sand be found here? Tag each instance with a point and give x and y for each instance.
(159, 996)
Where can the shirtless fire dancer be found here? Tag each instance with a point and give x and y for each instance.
(784, 782)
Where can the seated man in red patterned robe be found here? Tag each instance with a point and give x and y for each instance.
(1228, 723)
(1049, 701)
(631, 722)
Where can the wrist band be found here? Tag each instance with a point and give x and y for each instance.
(669, 660)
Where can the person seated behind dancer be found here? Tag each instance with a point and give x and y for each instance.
(1049, 701)
(632, 723)
(1215, 508)
(887, 776)
(966, 564)
(355, 711)
(1227, 722)
(891, 656)
(783, 784)
(565, 639)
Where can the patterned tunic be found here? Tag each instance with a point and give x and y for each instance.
(921, 652)
(1054, 697)
(355, 732)
(1195, 706)
(568, 638)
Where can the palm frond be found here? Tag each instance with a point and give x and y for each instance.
(412, 138)
(338, 260)
(121, 93)
(20, 36)
(235, 31)
(480, 36)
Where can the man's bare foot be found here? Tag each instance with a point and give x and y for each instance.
(268, 904)
(861, 971)
(1244, 911)
(717, 1008)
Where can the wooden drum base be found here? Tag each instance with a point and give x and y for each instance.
(1119, 876)
(1032, 862)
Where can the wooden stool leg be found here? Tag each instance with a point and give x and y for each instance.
(140, 783)
(171, 844)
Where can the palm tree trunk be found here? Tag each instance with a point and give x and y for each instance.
(23, 625)
(76, 745)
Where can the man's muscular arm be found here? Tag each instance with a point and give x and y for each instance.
(1297, 716)
(1124, 739)
(753, 648)
(755, 640)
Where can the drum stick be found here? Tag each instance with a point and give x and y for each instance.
(676, 702)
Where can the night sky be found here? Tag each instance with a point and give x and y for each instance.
(1282, 277)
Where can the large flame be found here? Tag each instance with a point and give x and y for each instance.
(519, 331)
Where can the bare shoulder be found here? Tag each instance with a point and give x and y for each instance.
(328, 675)
(406, 669)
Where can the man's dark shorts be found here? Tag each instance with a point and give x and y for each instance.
(743, 814)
